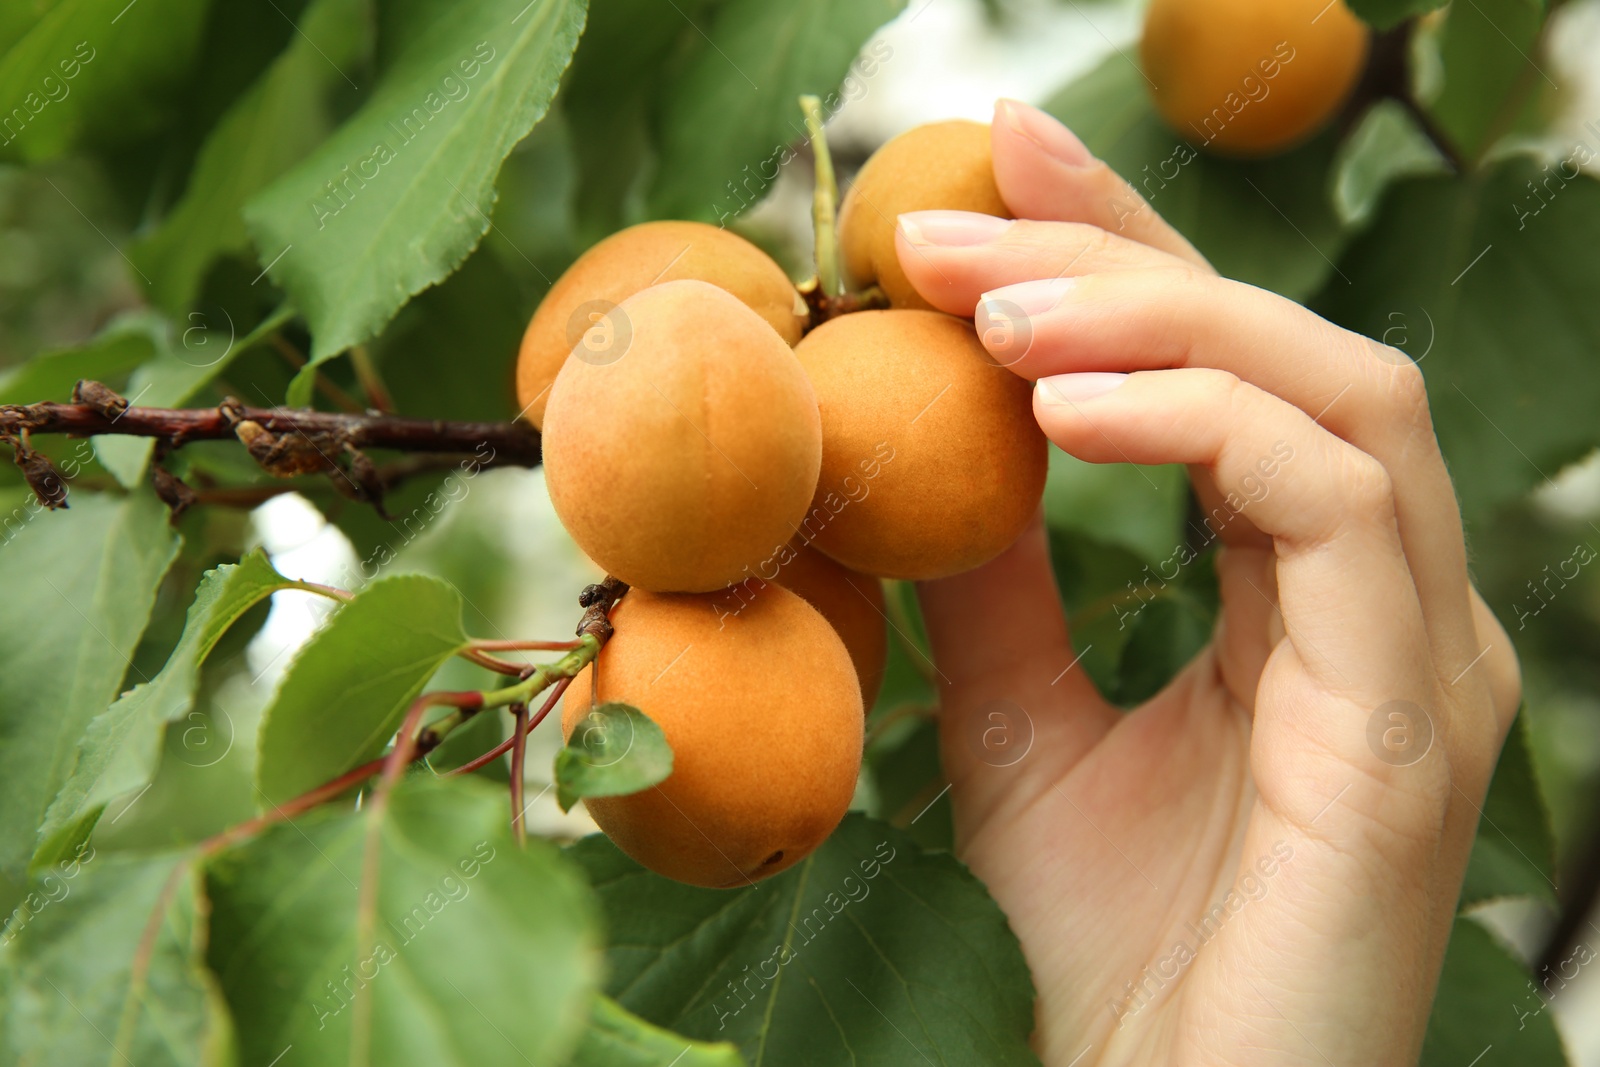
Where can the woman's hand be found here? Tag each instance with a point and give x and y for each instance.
(1239, 871)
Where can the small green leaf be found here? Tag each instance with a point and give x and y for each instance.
(1387, 146)
(88, 579)
(730, 114)
(277, 122)
(1386, 13)
(348, 689)
(77, 986)
(419, 933)
(1488, 1012)
(95, 71)
(1514, 853)
(618, 1038)
(122, 745)
(1266, 222)
(614, 750)
(870, 951)
(394, 200)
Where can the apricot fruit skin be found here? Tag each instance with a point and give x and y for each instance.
(693, 456)
(940, 166)
(637, 258)
(764, 717)
(1209, 61)
(932, 462)
(853, 605)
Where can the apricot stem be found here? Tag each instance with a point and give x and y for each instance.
(825, 201)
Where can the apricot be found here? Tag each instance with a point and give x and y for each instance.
(1251, 77)
(852, 602)
(931, 460)
(939, 166)
(693, 456)
(764, 717)
(634, 259)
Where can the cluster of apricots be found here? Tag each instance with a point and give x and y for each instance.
(752, 479)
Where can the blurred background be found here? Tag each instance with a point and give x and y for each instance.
(63, 278)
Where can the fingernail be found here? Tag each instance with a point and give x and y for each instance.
(1054, 139)
(951, 228)
(1076, 388)
(1029, 298)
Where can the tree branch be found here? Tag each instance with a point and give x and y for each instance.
(512, 443)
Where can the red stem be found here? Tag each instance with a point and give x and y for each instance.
(494, 663)
(519, 752)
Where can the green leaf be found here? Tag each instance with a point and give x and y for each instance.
(1167, 631)
(1485, 48)
(614, 750)
(173, 376)
(909, 788)
(610, 96)
(455, 945)
(477, 315)
(88, 578)
(121, 748)
(348, 689)
(1490, 289)
(1488, 1012)
(618, 1038)
(77, 987)
(1137, 508)
(1387, 146)
(94, 71)
(129, 340)
(275, 124)
(1268, 222)
(1100, 589)
(1386, 13)
(1514, 853)
(730, 114)
(394, 200)
(812, 966)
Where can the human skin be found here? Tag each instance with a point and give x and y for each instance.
(1344, 587)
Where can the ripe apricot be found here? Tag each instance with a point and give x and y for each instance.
(853, 605)
(764, 717)
(634, 259)
(939, 166)
(1251, 77)
(691, 457)
(931, 460)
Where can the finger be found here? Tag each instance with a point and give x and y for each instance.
(1045, 172)
(999, 634)
(1176, 317)
(955, 257)
(1345, 588)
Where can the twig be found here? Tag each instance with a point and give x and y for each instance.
(508, 443)
(519, 755)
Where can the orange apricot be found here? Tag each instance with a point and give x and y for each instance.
(939, 166)
(634, 259)
(682, 461)
(763, 713)
(932, 462)
(1251, 77)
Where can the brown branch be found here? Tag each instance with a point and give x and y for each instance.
(510, 443)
